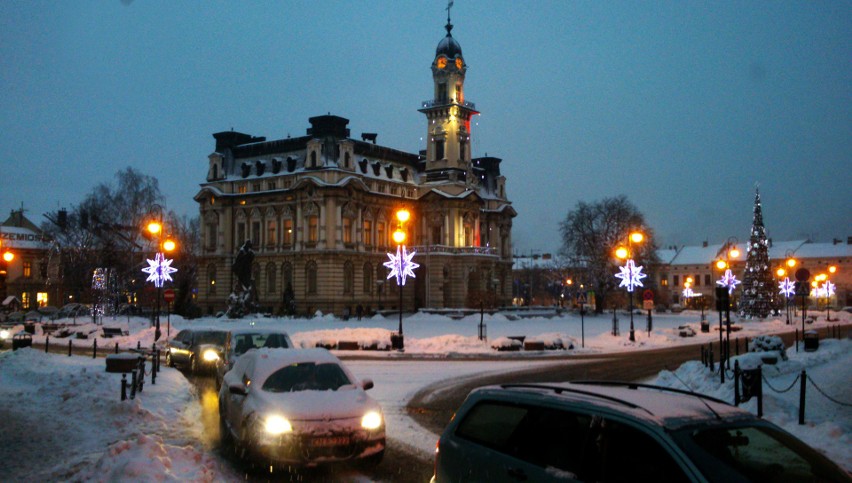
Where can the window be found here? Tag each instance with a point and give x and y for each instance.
(241, 234)
(676, 280)
(211, 236)
(41, 298)
(255, 233)
(28, 269)
(347, 230)
(211, 279)
(438, 235)
(468, 235)
(270, 185)
(442, 91)
(707, 280)
(313, 228)
(270, 278)
(368, 278)
(255, 187)
(242, 189)
(311, 278)
(439, 150)
(287, 276)
(25, 300)
(367, 234)
(380, 234)
(271, 232)
(348, 278)
(697, 279)
(288, 232)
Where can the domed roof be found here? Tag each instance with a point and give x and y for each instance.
(448, 45)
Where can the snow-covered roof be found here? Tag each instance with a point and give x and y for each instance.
(703, 255)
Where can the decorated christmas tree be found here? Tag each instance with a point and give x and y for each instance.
(758, 286)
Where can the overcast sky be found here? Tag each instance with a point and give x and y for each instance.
(682, 106)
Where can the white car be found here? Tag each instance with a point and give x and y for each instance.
(240, 341)
(299, 407)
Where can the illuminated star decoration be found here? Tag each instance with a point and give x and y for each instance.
(825, 290)
(688, 293)
(631, 275)
(786, 287)
(401, 265)
(729, 280)
(159, 270)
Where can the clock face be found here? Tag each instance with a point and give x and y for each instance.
(459, 63)
(441, 62)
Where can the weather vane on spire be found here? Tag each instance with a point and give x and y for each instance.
(449, 26)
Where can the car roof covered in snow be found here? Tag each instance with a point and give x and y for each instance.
(659, 406)
(267, 361)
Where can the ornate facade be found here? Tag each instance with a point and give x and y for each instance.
(319, 210)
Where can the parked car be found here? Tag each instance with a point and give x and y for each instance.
(198, 350)
(617, 432)
(299, 407)
(239, 341)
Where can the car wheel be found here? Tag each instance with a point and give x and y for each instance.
(169, 361)
(225, 439)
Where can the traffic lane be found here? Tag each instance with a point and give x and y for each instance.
(400, 464)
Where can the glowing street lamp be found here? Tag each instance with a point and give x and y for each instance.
(159, 269)
(631, 275)
(401, 266)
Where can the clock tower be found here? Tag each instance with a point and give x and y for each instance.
(448, 114)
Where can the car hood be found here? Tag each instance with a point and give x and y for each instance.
(346, 402)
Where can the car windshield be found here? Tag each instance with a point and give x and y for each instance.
(307, 376)
(211, 337)
(244, 342)
(755, 453)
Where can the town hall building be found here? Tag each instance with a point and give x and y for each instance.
(319, 211)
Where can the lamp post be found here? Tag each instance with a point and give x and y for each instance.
(728, 281)
(630, 275)
(159, 270)
(787, 287)
(401, 266)
(829, 291)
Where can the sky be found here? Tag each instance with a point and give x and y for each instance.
(684, 107)
(159, 435)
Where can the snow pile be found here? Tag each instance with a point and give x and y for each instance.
(828, 424)
(89, 433)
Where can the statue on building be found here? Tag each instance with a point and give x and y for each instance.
(241, 301)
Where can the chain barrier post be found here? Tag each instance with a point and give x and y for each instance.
(69, 347)
(46, 343)
(797, 339)
(736, 382)
(802, 398)
(710, 357)
(133, 384)
(116, 347)
(95, 349)
(141, 379)
(124, 386)
(760, 391)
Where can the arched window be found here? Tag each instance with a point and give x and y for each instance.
(287, 275)
(348, 278)
(368, 278)
(270, 277)
(211, 279)
(255, 274)
(311, 278)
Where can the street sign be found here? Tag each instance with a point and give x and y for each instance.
(648, 294)
(168, 295)
(803, 274)
(648, 304)
(581, 298)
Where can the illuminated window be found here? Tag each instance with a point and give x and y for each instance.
(25, 300)
(242, 189)
(28, 269)
(313, 228)
(380, 234)
(41, 298)
(347, 230)
(368, 233)
(468, 235)
(288, 232)
(271, 231)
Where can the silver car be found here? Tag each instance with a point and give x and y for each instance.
(299, 407)
(240, 341)
(198, 350)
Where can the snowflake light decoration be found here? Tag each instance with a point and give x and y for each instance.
(401, 265)
(159, 270)
(729, 280)
(688, 293)
(631, 276)
(825, 290)
(787, 288)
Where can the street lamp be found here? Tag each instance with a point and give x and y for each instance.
(829, 291)
(631, 275)
(159, 270)
(729, 282)
(401, 266)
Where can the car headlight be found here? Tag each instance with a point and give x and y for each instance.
(4, 334)
(371, 420)
(276, 425)
(210, 355)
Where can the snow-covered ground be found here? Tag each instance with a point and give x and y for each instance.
(63, 419)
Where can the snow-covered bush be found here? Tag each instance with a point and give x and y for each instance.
(506, 344)
(768, 343)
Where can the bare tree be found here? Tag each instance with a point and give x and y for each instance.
(590, 235)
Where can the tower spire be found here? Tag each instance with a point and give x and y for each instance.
(449, 25)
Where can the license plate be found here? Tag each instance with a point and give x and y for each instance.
(324, 441)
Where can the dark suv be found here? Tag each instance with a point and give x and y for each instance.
(601, 431)
(199, 350)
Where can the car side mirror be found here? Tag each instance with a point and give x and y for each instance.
(367, 384)
(239, 389)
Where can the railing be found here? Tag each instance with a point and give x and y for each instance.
(447, 102)
(455, 250)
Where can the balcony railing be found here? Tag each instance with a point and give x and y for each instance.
(447, 102)
(422, 249)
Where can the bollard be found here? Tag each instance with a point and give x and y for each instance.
(737, 346)
(69, 347)
(797, 338)
(141, 379)
(736, 383)
(133, 384)
(802, 397)
(116, 347)
(95, 349)
(138, 345)
(760, 391)
(710, 357)
(703, 357)
(46, 343)
(124, 386)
